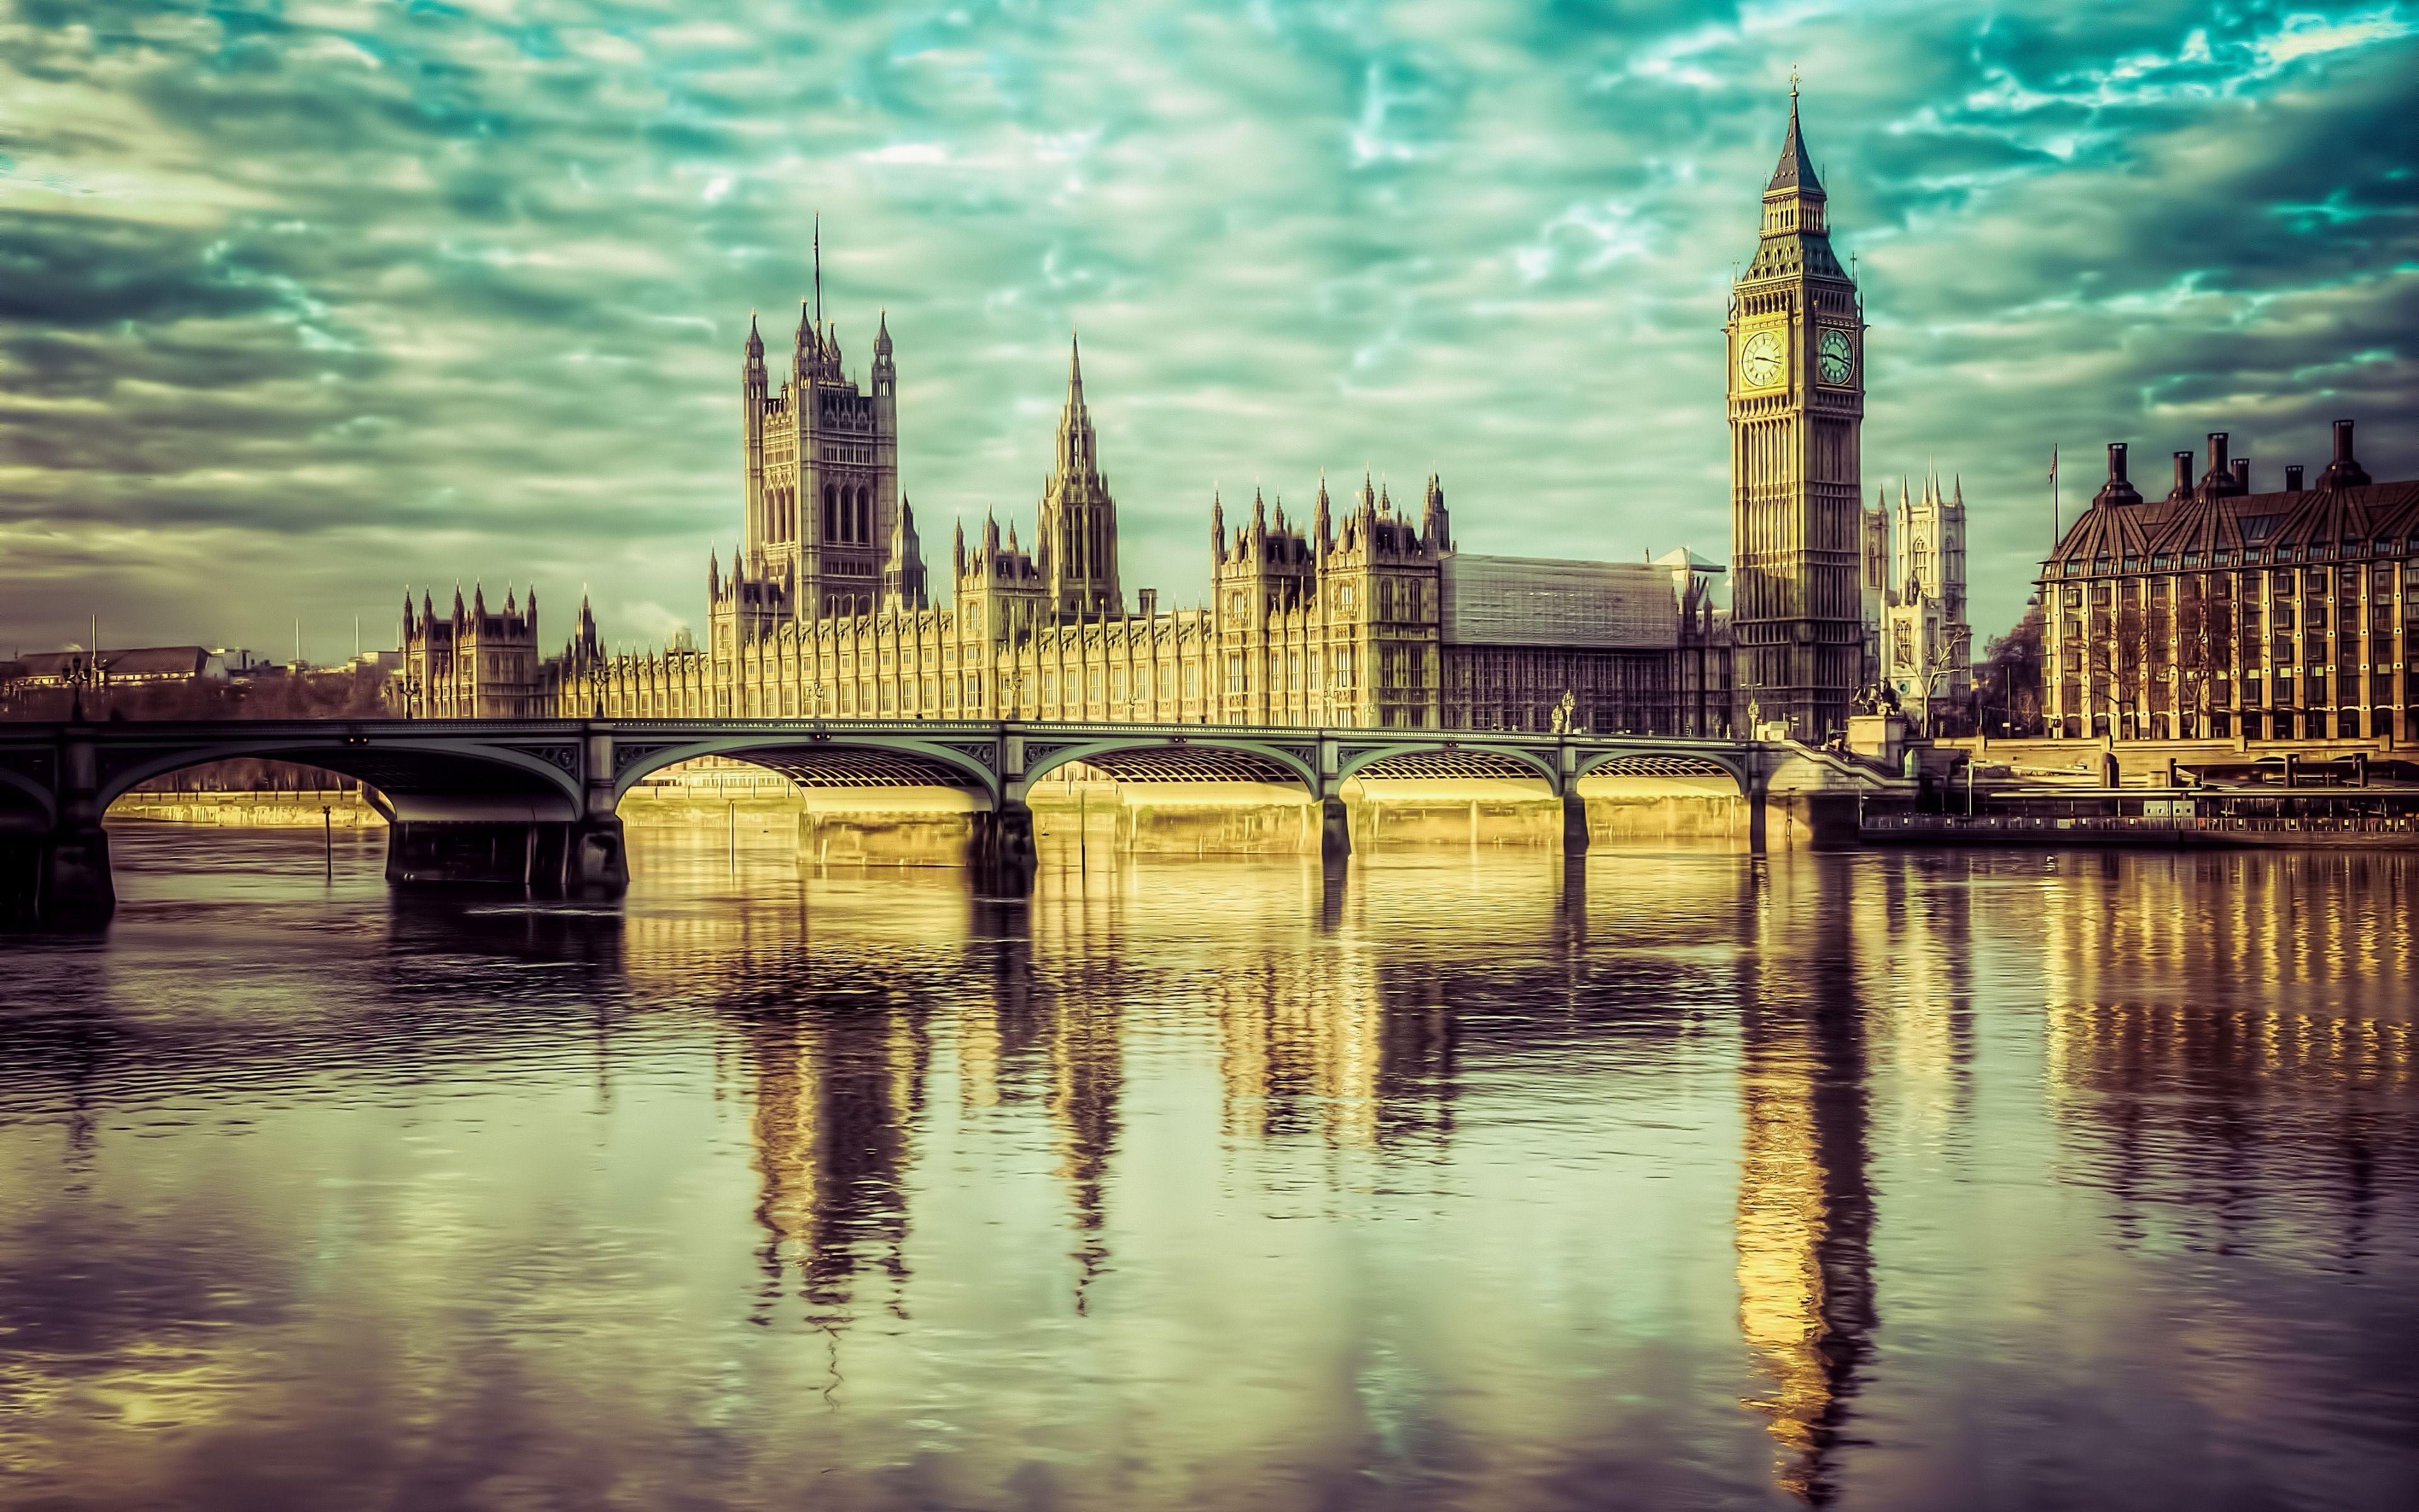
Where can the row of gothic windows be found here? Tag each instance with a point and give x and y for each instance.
(848, 515)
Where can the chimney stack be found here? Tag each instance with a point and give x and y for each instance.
(2344, 471)
(2116, 491)
(2183, 476)
(1147, 602)
(2293, 478)
(2242, 474)
(2218, 481)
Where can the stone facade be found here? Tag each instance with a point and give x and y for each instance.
(2218, 612)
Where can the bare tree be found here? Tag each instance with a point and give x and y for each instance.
(1941, 658)
(2204, 654)
(2013, 673)
(2117, 658)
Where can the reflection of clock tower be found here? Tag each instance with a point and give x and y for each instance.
(1796, 400)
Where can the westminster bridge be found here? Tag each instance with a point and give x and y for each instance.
(534, 802)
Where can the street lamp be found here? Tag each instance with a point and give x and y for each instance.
(79, 673)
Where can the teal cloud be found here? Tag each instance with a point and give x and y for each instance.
(299, 302)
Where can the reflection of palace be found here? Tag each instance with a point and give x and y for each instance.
(1329, 1046)
(837, 1088)
(1806, 1205)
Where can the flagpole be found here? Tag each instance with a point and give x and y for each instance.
(2056, 527)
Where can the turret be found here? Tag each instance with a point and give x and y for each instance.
(1435, 527)
(1321, 535)
(957, 549)
(902, 576)
(886, 374)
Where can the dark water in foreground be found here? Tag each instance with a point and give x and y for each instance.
(1884, 1180)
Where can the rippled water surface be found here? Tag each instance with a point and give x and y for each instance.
(1879, 1180)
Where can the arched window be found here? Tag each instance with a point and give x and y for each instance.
(831, 513)
(864, 515)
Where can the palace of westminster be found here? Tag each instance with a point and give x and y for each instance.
(2186, 618)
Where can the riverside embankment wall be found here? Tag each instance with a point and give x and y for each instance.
(931, 826)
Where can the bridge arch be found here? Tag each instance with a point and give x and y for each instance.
(1447, 760)
(464, 778)
(24, 803)
(820, 759)
(1178, 758)
(1664, 763)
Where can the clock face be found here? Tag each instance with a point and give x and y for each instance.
(1759, 360)
(1835, 357)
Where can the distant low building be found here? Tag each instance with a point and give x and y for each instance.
(134, 666)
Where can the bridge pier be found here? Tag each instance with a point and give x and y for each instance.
(1000, 849)
(56, 879)
(1756, 839)
(59, 876)
(1575, 822)
(554, 858)
(1335, 829)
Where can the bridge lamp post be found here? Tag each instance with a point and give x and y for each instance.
(79, 674)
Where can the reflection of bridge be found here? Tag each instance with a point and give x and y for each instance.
(533, 801)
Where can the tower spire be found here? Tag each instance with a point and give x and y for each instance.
(819, 240)
(1794, 171)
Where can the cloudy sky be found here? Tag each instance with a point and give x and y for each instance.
(300, 302)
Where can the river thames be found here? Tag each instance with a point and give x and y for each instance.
(1454, 1180)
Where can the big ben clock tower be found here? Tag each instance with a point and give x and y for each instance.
(1796, 346)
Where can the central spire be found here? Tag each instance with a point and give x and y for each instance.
(1077, 545)
(1075, 443)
